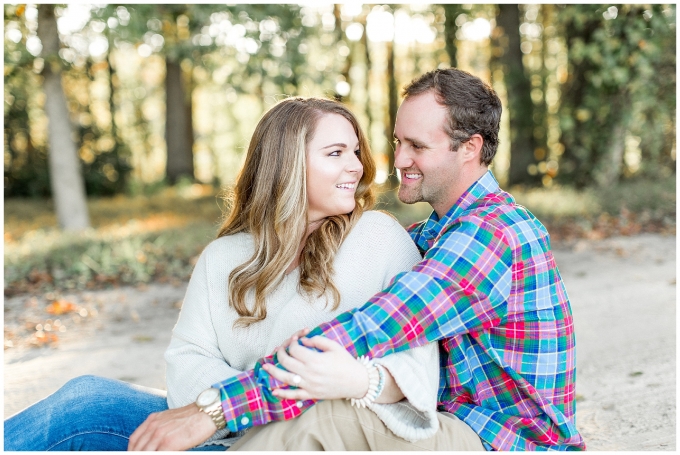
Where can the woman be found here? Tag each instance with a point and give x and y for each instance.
(298, 248)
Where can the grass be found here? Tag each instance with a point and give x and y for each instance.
(132, 240)
(159, 237)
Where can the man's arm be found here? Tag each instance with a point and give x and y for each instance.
(461, 285)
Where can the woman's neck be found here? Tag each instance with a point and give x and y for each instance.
(311, 227)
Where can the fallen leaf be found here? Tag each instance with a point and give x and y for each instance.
(142, 338)
(60, 307)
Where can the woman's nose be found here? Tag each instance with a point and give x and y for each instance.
(355, 164)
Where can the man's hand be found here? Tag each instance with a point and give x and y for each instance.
(174, 429)
(326, 375)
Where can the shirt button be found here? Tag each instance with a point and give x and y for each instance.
(244, 421)
(298, 404)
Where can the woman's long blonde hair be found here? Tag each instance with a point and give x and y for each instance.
(269, 201)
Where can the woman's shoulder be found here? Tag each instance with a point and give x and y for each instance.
(377, 226)
(377, 248)
(235, 247)
(378, 219)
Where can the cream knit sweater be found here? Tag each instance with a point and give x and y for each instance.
(206, 349)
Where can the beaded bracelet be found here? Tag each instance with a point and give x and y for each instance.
(376, 383)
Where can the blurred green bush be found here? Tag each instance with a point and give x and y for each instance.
(158, 237)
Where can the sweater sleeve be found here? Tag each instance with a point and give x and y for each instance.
(416, 372)
(193, 359)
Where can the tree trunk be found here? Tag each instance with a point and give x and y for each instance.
(179, 136)
(391, 119)
(66, 179)
(518, 87)
(112, 91)
(614, 162)
(578, 161)
(347, 64)
(451, 12)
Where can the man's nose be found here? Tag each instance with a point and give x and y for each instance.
(401, 158)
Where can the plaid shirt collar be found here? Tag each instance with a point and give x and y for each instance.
(426, 233)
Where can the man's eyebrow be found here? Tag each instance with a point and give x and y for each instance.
(414, 141)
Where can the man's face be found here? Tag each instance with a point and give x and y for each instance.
(429, 168)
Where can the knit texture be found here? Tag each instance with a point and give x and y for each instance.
(206, 348)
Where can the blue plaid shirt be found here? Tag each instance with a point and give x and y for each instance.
(489, 291)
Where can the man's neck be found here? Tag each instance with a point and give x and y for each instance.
(467, 180)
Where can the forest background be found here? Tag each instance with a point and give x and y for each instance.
(125, 125)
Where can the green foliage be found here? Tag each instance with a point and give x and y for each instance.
(238, 59)
(103, 159)
(621, 82)
(25, 161)
(158, 237)
(93, 259)
(134, 240)
(627, 208)
(652, 199)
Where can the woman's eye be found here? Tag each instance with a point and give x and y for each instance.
(335, 153)
(357, 152)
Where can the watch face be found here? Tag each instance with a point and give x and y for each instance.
(208, 397)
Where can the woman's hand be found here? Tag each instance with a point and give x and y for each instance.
(330, 374)
(293, 339)
(174, 429)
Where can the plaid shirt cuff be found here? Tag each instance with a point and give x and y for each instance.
(247, 400)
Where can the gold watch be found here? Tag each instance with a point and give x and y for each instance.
(209, 402)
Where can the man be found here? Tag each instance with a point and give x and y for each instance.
(488, 290)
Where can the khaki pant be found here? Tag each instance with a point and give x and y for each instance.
(336, 425)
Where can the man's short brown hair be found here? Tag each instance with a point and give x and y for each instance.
(474, 107)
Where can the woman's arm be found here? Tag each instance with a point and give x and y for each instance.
(193, 359)
(391, 392)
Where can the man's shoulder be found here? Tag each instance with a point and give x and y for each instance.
(501, 215)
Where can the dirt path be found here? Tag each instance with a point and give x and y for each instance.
(623, 298)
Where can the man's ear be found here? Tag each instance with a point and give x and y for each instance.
(472, 148)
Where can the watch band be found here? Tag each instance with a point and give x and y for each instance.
(216, 414)
(209, 402)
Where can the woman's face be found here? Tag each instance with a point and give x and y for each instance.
(333, 168)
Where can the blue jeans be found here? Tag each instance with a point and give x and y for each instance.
(87, 413)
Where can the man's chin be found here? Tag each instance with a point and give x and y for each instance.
(409, 197)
